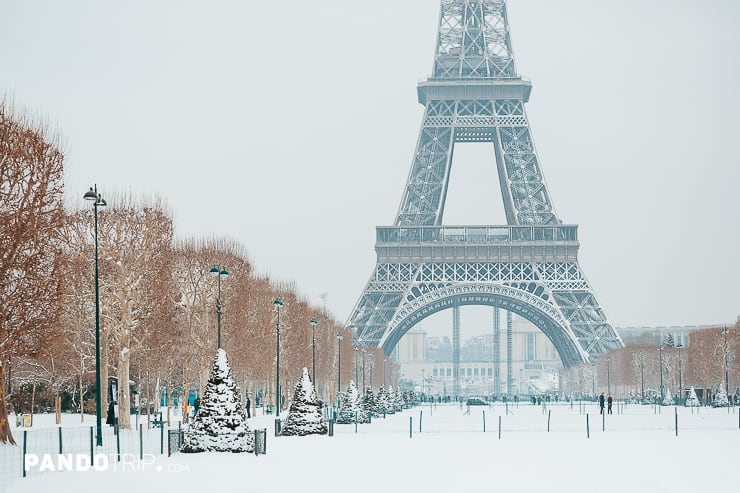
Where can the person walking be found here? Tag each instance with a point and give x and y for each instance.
(601, 403)
(609, 404)
(249, 408)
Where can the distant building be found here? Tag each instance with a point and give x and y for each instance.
(535, 362)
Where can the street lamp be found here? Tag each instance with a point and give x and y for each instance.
(608, 377)
(219, 272)
(97, 201)
(313, 322)
(660, 352)
(357, 365)
(339, 362)
(642, 377)
(278, 303)
(680, 376)
(363, 370)
(423, 382)
(725, 330)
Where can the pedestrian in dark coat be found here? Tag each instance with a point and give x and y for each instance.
(110, 418)
(249, 408)
(601, 403)
(609, 404)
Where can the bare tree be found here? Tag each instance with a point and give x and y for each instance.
(135, 241)
(31, 212)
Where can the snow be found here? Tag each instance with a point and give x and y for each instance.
(638, 452)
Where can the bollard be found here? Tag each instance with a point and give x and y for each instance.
(411, 426)
(116, 432)
(676, 409)
(603, 421)
(420, 421)
(588, 432)
(141, 441)
(484, 421)
(548, 421)
(60, 440)
(499, 427)
(25, 440)
(161, 436)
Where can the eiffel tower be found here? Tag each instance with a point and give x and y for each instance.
(528, 266)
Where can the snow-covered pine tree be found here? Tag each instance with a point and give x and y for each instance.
(397, 399)
(721, 400)
(349, 405)
(668, 398)
(220, 425)
(369, 406)
(693, 401)
(385, 404)
(304, 416)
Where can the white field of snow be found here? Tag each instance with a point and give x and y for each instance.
(638, 451)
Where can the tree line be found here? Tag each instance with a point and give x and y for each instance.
(157, 297)
(637, 370)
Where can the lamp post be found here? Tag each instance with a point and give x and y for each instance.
(725, 330)
(313, 322)
(219, 272)
(642, 377)
(339, 362)
(660, 353)
(680, 376)
(521, 381)
(363, 370)
(357, 365)
(423, 382)
(278, 303)
(97, 201)
(593, 379)
(608, 377)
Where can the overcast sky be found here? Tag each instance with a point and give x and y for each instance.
(290, 126)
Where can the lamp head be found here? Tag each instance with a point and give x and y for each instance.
(314, 322)
(278, 302)
(90, 195)
(214, 271)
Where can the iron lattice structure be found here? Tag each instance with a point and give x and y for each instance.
(528, 266)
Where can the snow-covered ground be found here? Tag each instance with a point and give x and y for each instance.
(637, 451)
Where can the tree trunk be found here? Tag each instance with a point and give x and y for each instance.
(124, 395)
(58, 408)
(6, 436)
(33, 399)
(82, 402)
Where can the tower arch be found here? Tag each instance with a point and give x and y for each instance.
(531, 307)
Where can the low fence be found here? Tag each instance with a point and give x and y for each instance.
(74, 447)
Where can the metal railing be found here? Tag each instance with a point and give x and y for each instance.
(476, 234)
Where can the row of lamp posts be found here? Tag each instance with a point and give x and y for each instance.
(218, 271)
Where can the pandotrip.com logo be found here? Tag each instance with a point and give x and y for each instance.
(98, 462)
